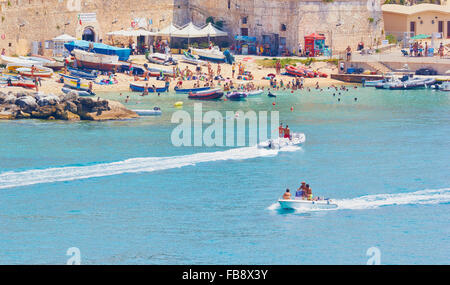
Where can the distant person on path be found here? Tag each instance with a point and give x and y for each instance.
(441, 50)
(349, 52)
(3, 51)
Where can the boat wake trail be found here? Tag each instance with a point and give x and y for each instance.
(428, 196)
(134, 165)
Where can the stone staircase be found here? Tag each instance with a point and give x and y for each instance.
(380, 67)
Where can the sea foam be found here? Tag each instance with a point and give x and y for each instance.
(134, 165)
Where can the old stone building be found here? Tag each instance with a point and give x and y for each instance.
(27, 24)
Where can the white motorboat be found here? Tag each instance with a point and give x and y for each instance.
(254, 93)
(445, 86)
(154, 112)
(278, 143)
(298, 204)
(213, 54)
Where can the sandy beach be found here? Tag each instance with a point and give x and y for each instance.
(52, 85)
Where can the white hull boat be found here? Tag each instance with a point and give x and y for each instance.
(213, 54)
(298, 204)
(96, 61)
(154, 112)
(296, 139)
(18, 61)
(445, 86)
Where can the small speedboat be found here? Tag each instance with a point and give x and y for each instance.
(237, 95)
(298, 204)
(445, 86)
(271, 94)
(278, 143)
(254, 93)
(155, 112)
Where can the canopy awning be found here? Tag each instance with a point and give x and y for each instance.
(212, 31)
(189, 31)
(168, 31)
(131, 33)
(64, 38)
(420, 37)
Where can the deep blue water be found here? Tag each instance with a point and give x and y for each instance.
(162, 211)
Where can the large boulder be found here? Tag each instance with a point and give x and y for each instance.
(71, 107)
(47, 111)
(116, 111)
(69, 97)
(47, 99)
(7, 98)
(27, 103)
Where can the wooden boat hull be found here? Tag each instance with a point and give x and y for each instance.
(212, 94)
(140, 88)
(193, 90)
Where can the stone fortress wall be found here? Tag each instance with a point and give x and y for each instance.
(343, 22)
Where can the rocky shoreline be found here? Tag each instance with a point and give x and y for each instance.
(68, 107)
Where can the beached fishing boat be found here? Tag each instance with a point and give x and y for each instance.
(160, 58)
(82, 74)
(236, 95)
(190, 58)
(78, 92)
(39, 72)
(96, 61)
(45, 61)
(19, 83)
(178, 90)
(76, 84)
(211, 94)
(157, 72)
(213, 54)
(136, 87)
(18, 61)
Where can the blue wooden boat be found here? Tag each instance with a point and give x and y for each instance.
(140, 88)
(191, 90)
(82, 74)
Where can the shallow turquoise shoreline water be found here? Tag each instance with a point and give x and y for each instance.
(224, 211)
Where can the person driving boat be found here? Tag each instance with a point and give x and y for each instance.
(301, 191)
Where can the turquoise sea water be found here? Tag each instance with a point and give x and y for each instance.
(123, 194)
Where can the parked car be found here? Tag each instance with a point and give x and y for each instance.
(426, 71)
